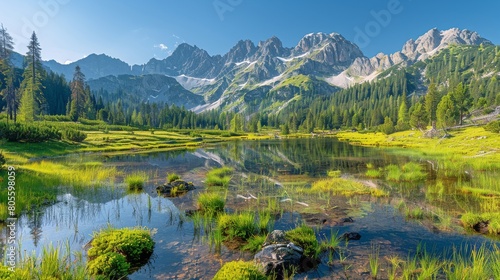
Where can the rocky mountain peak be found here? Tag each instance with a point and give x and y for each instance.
(271, 47)
(240, 52)
(309, 42)
(434, 40)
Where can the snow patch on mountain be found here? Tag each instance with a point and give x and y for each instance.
(343, 80)
(192, 82)
(292, 58)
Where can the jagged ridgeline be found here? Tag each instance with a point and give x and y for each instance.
(324, 82)
(367, 104)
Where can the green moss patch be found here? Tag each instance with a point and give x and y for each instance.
(115, 250)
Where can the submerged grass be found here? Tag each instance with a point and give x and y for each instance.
(210, 203)
(241, 225)
(54, 262)
(37, 190)
(374, 260)
(135, 181)
(409, 172)
(74, 174)
(341, 186)
(219, 177)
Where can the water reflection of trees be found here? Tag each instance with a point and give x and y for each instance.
(300, 156)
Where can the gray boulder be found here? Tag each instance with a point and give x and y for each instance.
(175, 188)
(278, 255)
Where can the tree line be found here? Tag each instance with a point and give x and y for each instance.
(459, 79)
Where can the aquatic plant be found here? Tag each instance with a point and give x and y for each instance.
(374, 173)
(110, 265)
(240, 225)
(374, 260)
(394, 262)
(219, 177)
(134, 244)
(264, 221)
(332, 243)
(135, 181)
(334, 173)
(210, 203)
(414, 213)
(37, 190)
(239, 270)
(492, 220)
(172, 177)
(429, 266)
(254, 243)
(393, 173)
(305, 237)
(341, 186)
(215, 240)
(52, 263)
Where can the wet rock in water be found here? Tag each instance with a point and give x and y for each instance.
(279, 255)
(342, 221)
(276, 237)
(175, 188)
(346, 220)
(316, 219)
(351, 236)
(481, 227)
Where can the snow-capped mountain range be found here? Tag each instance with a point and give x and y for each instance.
(249, 72)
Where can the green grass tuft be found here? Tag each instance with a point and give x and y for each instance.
(305, 237)
(136, 180)
(210, 203)
(219, 177)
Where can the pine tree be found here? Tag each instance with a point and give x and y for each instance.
(78, 96)
(446, 112)
(6, 44)
(32, 102)
(462, 100)
(418, 118)
(431, 102)
(9, 92)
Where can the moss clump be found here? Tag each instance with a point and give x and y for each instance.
(304, 237)
(239, 270)
(109, 266)
(134, 244)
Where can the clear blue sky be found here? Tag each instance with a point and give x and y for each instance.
(136, 31)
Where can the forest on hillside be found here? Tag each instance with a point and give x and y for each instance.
(441, 91)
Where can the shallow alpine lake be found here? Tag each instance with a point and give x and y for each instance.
(270, 170)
